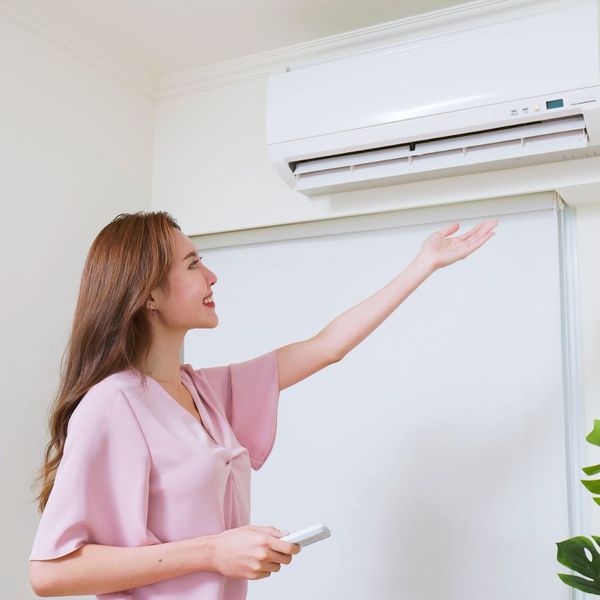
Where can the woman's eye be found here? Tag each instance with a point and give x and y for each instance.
(196, 261)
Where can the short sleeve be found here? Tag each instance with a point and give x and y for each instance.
(249, 392)
(100, 492)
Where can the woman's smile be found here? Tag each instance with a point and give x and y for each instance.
(208, 302)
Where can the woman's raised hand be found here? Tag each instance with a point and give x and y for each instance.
(251, 552)
(440, 250)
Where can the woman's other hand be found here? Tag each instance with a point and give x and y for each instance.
(251, 552)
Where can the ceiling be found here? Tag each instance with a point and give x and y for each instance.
(163, 37)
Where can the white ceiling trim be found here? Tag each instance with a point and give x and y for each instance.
(132, 74)
(416, 29)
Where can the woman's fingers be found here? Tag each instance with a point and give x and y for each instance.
(480, 241)
(471, 232)
(478, 231)
(490, 225)
(280, 557)
(281, 547)
(483, 232)
(263, 574)
(450, 229)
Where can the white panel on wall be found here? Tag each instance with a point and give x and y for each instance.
(454, 72)
(435, 450)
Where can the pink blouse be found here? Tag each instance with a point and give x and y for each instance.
(139, 469)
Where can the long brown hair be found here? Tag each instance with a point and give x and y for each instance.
(129, 257)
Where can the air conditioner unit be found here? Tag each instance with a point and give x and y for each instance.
(523, 90)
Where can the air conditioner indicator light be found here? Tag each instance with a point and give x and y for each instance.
(555, 103)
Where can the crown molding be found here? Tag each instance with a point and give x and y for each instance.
(133, 75)
(413, 30)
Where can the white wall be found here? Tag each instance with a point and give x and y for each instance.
(75, 150)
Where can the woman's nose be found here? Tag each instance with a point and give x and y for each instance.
(212, 278)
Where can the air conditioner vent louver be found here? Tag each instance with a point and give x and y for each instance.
(512, 142)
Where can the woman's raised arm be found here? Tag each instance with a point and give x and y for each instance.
(301, 359)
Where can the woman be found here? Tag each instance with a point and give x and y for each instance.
(145, 490)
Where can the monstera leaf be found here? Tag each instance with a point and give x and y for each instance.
(571, 553)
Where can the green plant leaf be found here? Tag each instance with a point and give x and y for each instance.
(581, 584)
(594, 435)
(571, 553)
(593, 485)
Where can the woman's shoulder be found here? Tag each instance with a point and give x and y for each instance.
(107, 400)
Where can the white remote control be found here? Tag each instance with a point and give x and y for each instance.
(309, 535)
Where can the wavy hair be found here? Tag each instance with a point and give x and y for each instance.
(111, 332)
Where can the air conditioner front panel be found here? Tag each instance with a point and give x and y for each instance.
(524, 89)
(459, 123)
(538, 55)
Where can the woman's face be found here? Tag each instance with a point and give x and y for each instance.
(190, 282)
